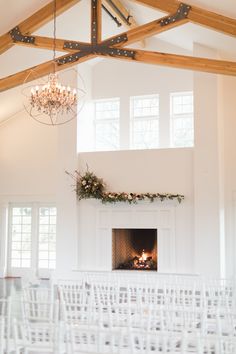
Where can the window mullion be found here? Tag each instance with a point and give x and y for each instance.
(34, 238)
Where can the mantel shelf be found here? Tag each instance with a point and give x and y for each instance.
(140, 203)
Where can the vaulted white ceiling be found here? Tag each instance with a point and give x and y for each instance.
(75, 24)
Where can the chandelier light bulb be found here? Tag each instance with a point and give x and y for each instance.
(53, 98)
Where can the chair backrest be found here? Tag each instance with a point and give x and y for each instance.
(2, 334)
(94, 340)
(40, 311)
(39, 337)
(39, 294)
(5, 314)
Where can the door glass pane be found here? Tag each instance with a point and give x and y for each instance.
(47, 238)
(21, 224)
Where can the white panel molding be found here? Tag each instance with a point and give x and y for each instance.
(97, 240)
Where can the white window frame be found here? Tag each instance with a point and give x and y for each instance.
(34, 270)
(183, 115)
(143, 118)
(106, 120)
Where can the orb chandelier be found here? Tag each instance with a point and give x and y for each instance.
(53, 98)
(51, 102)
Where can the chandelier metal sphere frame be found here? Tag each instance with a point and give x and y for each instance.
(52, 102)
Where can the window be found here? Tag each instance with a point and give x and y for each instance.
(21, 226)
(144, 112)
(47, 238)
(107, 116)
(182, 132)
(32, 237)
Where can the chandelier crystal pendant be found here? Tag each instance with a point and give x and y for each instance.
(51, 102)
(53, 98)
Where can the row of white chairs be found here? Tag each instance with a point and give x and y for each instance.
(150, 318)
(132, 316)
(61, 339)
(85, 292)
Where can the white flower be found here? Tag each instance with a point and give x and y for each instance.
(84, 183)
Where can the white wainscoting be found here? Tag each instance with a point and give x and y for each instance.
(96, 222)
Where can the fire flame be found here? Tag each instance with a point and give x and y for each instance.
(143, 257)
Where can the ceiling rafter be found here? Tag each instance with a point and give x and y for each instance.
(182, 62)
(114, 46)
(41, 42)
(35, 21)
(196, 15)
(36, 72)
(117, 9)
(136, 34)
(121, 14)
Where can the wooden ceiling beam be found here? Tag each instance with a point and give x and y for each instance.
(118, 10)
(35, 21)
(40, 70)
(47, 43)
(96, 21)
(196, 15)
(144, 31)
(134, 35)
(184, 62)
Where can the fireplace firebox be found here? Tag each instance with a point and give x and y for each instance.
(134, 249)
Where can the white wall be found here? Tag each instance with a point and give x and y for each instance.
(28, 169)
(207, 169)
(33, 159)
(123, 79)
(227, 109)
(149, 171)
(28, 155)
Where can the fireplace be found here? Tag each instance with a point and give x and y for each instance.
(134, 249)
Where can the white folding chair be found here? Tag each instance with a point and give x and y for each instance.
(39, 305)
(87, 340)
(2, 336)
(39, 338)
(5, 313)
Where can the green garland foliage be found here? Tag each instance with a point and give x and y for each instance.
(88, 185)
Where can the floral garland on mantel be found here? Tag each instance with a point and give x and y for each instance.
(88, 185)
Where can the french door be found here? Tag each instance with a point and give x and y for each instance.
(32, 240)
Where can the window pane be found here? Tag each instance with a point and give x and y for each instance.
(144, 122)
(47, 237)
(182, 128)
(20, 240)
(44, 264)
(25, 263)
(107, 114)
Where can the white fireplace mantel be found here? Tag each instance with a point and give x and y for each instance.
(96, 221)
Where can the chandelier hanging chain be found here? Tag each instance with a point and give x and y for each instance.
(53, 99)
(54, 32)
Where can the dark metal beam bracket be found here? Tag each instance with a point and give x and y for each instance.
(71, 58)
(181, 14)
(85, 47)
(116, 40)
(17, 36)
(99, 50)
